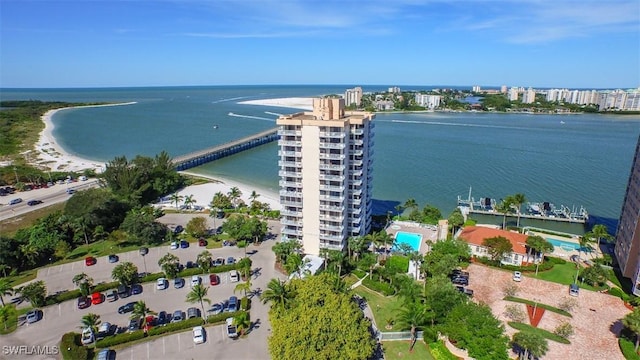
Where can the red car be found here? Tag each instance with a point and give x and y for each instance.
(202, 242)
(90, 260)
(214, 279)
(96, 298)
(84, 302)
(150, 321)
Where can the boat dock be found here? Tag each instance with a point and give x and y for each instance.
(213, 153)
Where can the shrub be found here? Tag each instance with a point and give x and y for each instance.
(380, 287)
(627, 345)
(151, 277)
(63, 296)
(241, 244)
(245, 304)
(564, 330)
(223, 268)
(220, 318)
(515, 313)
(72, 348)
(106, 286)
(542, 332)
(567, 304)
(359, 273)
(510, 290)
(429, 334)
(616, 291)
(187, 324)
(190, 272)
(120, 339)
(439, 351)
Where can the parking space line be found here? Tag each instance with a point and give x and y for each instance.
(59, 310)
(163, 347)
(147, 350)
(132, 352)
(179, 342)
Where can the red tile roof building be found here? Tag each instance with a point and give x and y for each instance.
(475, 235)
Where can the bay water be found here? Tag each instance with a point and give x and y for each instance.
(574, 160)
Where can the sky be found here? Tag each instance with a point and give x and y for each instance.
(120, 43)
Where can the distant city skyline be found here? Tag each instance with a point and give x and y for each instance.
(584, 44)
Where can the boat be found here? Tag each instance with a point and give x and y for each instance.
(215, 126)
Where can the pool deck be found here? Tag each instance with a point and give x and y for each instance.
(562, 253)
(428, 232)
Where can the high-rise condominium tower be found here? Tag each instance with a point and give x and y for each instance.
(326, 175)
(627, 249)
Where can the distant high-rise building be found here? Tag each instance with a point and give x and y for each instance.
(529, 96)
(394, 90)
(353, 96)
(627, 248)
(475, 89)
(428, 101)
(326, 175)
(503, 89)
(513, 94)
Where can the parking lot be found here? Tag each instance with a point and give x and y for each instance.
(65, 317)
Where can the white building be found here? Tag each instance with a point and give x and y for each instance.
(475, 88)
(353, 96)
(513, 94)
(428, 101)
(529, 96)
(394, 90)
(326, 174)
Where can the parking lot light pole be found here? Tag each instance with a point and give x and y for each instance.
(143, 252)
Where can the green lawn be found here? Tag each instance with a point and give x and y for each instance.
(562, 274)
(400, 350)
(23, 277)
(383, 307)
(12, 320)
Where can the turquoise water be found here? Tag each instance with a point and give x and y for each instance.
(566, 245)
(430, 157)
(411, 239)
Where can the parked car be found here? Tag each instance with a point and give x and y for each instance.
(184, 244)
(113, 258)
(231, 260)
(90, 260)
(177, 316)
(136, 289)
(517, 276)
(198, 334)
(87, 336)
(234, 276)
(106, 354)
(178, 229)
(190, 265)
(162, 318)
(195, 280)
(233, 304)
(218, 262)
(123, 291)
(96, 298)
(178, 283)
(174, 245)
(33, 316)
(84, 302)
(126, 308)
(162, 284)
(216, 309)
(232, 331)
(104, 330)
(150, 321)
(574, 290)
(202, 242)
(134, 324)
(192, 312)
(34, 202)
(214, 279)
(112, 295)
(70, 191)
(15, 201)
(461, 280)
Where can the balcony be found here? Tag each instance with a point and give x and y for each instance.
(332, 156)
(358, 132)
(333, 135)
(330, 246)
(356, 201)
(332, 167)
(285, 221)
(356, 162)
(335, 198)
(331, 207)
(289, 132)
(284, 183)
(355, 212)
(293, 232)
(332, 218)
(356, 192)
(355, 182)
(331, 177)
(355, 172)
(326, 145)
(290, 213)
(287, 163)
(328, 227)
(290, 202)
(290, 143)
(358, 142)
(336, 188)
(294, 174)
(294, 194)
(289, 153)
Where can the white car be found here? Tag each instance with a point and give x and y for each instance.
(174, 245)
(517, 276)
(198, 334)
(234, 276)
(162, 284)
(87, 336)
(195, 280)
(232, 331)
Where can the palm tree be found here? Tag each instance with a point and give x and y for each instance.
(140, 310)
(176, 198)
(632, 322)
(234, 194)
(417, 258)
(531, 343)
(324, 254)
(197, 294)
(243, 286)
(411, 316)
(5, 289)
(80, 226)
(385, 239)
(204, 260)
(83, 282)
(337, 257)
(585, 244)
(5, 313)
(242, 322)
(517, 201)
(410, 204)
(254, 196)
(4, 268)
(30, 252)
(278, 293)
(503, 208)
(188, 200)
(600, 232)
(90, 321)
(534, 243)
(399, 209)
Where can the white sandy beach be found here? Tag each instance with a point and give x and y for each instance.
(50, 155)
(304, 103)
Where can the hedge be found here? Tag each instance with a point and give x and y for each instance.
(542, 332)
(359, 273)
(544, 266)
(381, 287)
(245, 303)
(616, 291)
(181, 325)
(62, 296)
(540, 305)
(71, 347)
(150, 278)
(120, 339)
(220, 318)
(439, 351)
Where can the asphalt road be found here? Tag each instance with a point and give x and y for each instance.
(65, 317)
(49, 196)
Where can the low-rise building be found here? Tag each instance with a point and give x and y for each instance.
(475, 236)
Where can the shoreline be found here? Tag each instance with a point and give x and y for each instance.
(53, 156)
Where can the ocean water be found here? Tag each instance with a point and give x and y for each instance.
(574, 160)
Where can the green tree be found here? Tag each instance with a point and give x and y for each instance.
(594, 275)
(411, 317)
(5, 313)
(456, 220)
(355, 246)
(530, 344)
(497, 247)
(632, 322)
(204, 260)
(169, 264)
(84, 282)
(176, 198)
(244, 286)
(197, 227)
(198, 294)
(242, 322)
(125, 273)
(503, 208)
(34, 292)
(234, 195)
(336, 259)
(517, 201)
(90, 321)
(284, 249)
(600, 232)
(189, 200)
(320, 324)
(5, 289)
(219, 202)
(277, 293)
(141, 311)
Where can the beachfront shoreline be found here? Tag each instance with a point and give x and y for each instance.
(53, 156)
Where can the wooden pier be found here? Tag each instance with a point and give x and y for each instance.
(204, 156)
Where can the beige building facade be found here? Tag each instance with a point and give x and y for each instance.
(326, 174)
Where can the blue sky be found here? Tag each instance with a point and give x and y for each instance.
(538, 43)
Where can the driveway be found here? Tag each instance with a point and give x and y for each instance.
(596, 319)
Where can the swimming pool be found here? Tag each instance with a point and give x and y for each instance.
(567, 246)
(411, 239)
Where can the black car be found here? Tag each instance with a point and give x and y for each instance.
(34, 202)
(162, 318)
(134, 324)
(178, 229)
(113, 258)
(126, 308)
(191, 265)
(136, 289)
(123, 291)
(178, 283)
(460, 280)
(84, 302)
